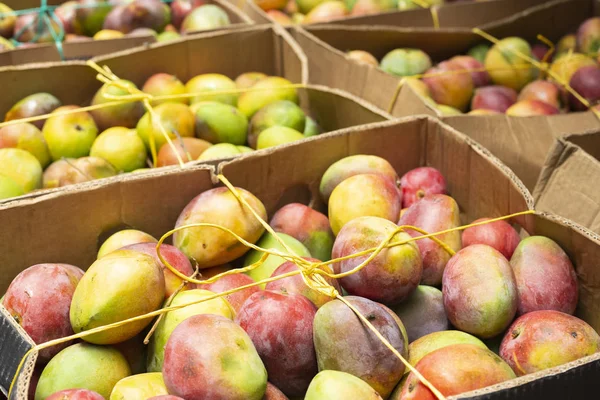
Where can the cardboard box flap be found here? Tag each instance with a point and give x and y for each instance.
(588, 141)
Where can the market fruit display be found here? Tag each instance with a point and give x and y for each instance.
(85, 20)
(266, 333)
(501, 79)
(71, 146)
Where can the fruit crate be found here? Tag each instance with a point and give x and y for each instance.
(263, 49)
(522, 143)
(567, 184)
(478, 182)
(465, 14)
(77, 47)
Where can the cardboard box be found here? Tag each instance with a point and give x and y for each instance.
(48, 52)
(568, 184)
(479, 182)
(522, 143)
(260, 48)
(465, 14)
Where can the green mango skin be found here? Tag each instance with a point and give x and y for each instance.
(32, 106)
(276, 136)
(405, 62)
(344, 343)
(118, 286)
(22, 167)
(90, 17)
(158, 341)
(281, 113)
(505, 67)
(336, 385)
(266, 269)
(220, 123)
(305, 6)
(70, 135)
(207, 83)
(121, 147)
(588, 36)
(311, 128)
(26, 137)
(126, 115)
(167, 36)
(265, 92)
(83, 366)
(9, 188)
(176, 119)
(139, 387)
(124, 238)
(479, 52)
(222, 150)
(436, 340)
(208, 16)
(162, 84)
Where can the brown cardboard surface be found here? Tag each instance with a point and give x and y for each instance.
(85, 50)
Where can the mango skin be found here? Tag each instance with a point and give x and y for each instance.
(222, 150)
(171, 320)
(220, 123)
(162, 84)
(26, 137)
(32, 106)
(366, 195)
(276, 136)
(70, 135)
(405, 62)
(336, 385)
(211, 247)
(75, 394)
(425, 300)
(480, 291)
(248, 79)
(456, 369)
(544, 339)
(125, 115)
(9, 188)
(121, 147)
(434, 213)
(139, 387)
(120, 285)
(565, 65)
(203, 84)
(436, 340)
(392, 275)
(450, 85)
(546, 278)
(22, 167)
(281, 113)
(265, 92)
(354, 165)
(505, 67)
(209, 356)
(83, 366)
(343, 343)
(124, 238)
(174, 117)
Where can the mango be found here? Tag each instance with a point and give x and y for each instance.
(33, 106)
(336, 385)
(210, 246)
(189, 149)
(139, 387)
(158, 341)
(75, 394)
(7, 22)
(405, 62)
(276, 136)
(327, 11)
(436, 340)
(434, 213)
(162, 84)
(248, 79)
(450, 85)
(479, 52)
(480, 291)
(90, 16)
(134, 351)
(220, 123)
(456, 369)
(69, 171)
(177, 120)
(9, 188)
(124, 238)
(273, 393)
(506, 67)
(340, 336)
(565, 65)
(126, 115)
(311, 128)
(354, 165)
(26, 137)
(366, 195)
(202, 85)
(70, 135)
(546, 278)
(106, 34)
(388, 278)
(265, 92)
(120, 285)
(211, 356)
(83, 366)
(281, 113)
(267, 268)
(205, 17)
(425, 300)
(121, 147)
(544, 339)
(222, 150)
(22, 168)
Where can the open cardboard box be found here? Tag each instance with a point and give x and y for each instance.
(260, 48)
(568, 184)
(48, 52)
(50, 229)
(522, 143)
(466, 14)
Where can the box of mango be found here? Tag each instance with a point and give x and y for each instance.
(522, 81)
(47, 141)
(41, 31)
(261, 296)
